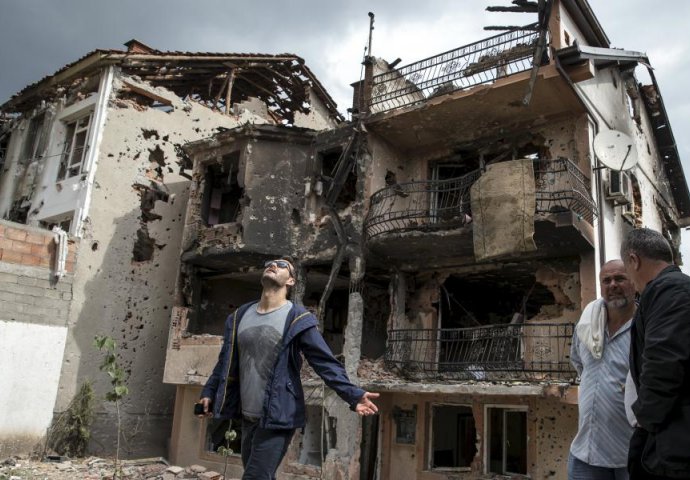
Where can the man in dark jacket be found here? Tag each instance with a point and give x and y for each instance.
(257, 376)
(659, 359)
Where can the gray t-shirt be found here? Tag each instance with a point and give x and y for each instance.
(259, 337)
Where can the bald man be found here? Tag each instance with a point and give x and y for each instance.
(599, 353)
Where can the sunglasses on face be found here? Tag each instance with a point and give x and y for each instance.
(279, 264)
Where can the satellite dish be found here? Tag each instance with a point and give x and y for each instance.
(615, 149)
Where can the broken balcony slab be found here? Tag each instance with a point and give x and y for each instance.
(477, 112)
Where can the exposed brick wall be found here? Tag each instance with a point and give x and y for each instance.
(29, 246)
(29, 291)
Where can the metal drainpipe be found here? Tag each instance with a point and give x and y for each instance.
(597, 168)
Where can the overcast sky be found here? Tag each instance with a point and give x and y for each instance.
(37, 37)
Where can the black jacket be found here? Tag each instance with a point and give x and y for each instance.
(660, 367)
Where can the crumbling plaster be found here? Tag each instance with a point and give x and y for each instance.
(551, 425)
(117, 296)
(608, 92)
(415, 298)
(562, 23)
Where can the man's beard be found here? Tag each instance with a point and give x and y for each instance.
(269, 282)
(619, 302)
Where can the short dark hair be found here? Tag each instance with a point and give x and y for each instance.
(647, 243)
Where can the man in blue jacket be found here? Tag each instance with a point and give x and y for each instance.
(257, 376)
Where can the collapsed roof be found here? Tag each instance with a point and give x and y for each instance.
(282, 81)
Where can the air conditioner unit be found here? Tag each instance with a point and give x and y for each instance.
(628, 212)
(619, 188)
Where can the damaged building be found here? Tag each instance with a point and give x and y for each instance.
(95, 150)
(447, 238)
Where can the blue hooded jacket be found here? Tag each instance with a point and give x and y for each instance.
(284, 398)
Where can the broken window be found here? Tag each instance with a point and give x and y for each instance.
(463, 305)
(4, 145)
(450, 202)
(506, 437)
(222, 191)
(75, 148)
(329, 161)
(335, 319)
(453, 437)
(63, 221)
(214, 298)
(376, 314)
(464, 348)
(405, 425)
(34, 140)
(215, 435)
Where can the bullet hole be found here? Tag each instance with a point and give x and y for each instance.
(390, 178)
(166, 138)
(94, 246)
(148, 134)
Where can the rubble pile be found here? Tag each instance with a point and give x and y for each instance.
(375, 370)
(22, 467)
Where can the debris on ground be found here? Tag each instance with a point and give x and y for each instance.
(22, 467)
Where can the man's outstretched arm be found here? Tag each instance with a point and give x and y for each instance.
(333, 373)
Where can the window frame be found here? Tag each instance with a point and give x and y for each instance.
(487, 433)
(68, 146)
(430, 432)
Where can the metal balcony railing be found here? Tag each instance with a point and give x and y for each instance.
(474, 64)
(561, 186)
(511, 352)
(445, 204)
(426, 206)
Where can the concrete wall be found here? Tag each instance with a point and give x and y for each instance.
(125, 277)
(33, 329)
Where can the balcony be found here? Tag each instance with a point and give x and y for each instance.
(420, 206)
(465, 67)
(434, 217)
(447, 98)
(529, 352)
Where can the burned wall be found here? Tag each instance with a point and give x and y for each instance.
(537, 291)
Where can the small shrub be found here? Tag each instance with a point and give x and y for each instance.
(70, 432)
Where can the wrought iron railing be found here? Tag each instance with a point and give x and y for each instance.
(524, 352)
(474, 64)
(445, 204)
(561, 186)
(429, 205)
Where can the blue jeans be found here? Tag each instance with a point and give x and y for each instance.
(262, 450)
(579, 470)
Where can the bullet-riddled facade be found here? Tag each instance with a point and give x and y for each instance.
(96, 148)
(447, 237)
